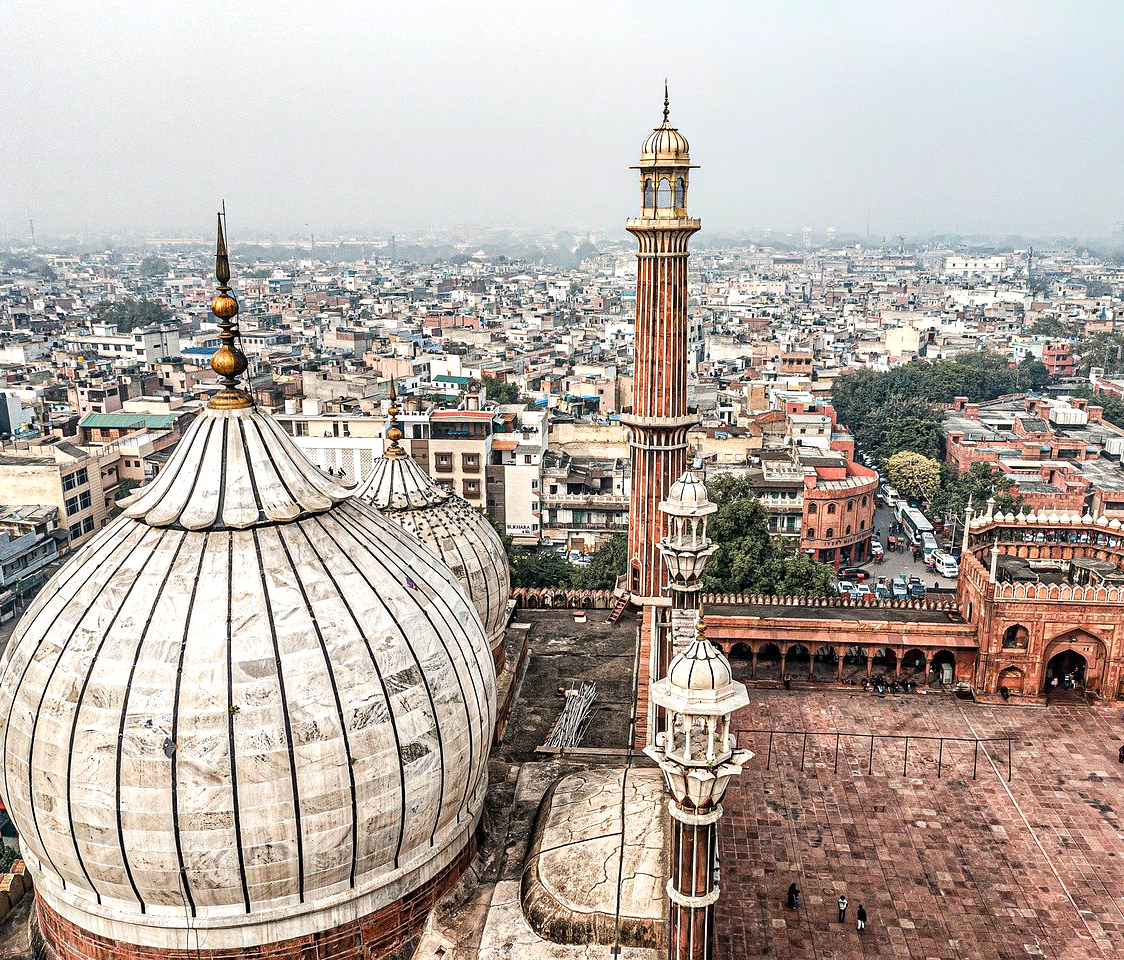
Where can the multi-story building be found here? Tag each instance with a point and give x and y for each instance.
(52, 472)
(585, 500)
(1061, 453)
(29, 545)
(145, 345)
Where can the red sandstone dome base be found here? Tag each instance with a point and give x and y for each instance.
(375, 936)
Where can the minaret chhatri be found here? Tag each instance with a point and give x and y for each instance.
(659, 421)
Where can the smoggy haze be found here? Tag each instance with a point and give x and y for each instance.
(996, 117)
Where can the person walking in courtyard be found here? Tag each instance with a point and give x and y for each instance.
(860, 918)
(842, 909)
(793, 896)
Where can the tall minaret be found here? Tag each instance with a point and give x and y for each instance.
(659, 421)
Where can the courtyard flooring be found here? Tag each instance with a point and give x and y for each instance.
(953, 867)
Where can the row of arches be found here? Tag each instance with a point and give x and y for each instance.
(831, 664)
(662, 195)
(813, 506)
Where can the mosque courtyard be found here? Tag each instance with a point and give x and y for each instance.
(948, 866)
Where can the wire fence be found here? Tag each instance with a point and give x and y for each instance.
(942, 752)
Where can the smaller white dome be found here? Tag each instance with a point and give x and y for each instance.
(453, 530)
(687, 497)
(666, 144)
(700, 668)
(699, 681)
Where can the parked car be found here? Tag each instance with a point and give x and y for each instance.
(844, 586)
(899, 588)
(861, 590)
(945, 564)
(858, 574)
(882, 591)
(916, 588)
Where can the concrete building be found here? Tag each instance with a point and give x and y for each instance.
(52, 472)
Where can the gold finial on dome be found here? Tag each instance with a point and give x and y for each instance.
(666, 102)
(700, 624)
(393, 431)
(229, 362)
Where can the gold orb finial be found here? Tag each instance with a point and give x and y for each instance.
(666, 102)
(393, 431)
(700, 624)
(229, 362)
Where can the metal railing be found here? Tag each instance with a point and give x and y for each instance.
(838, 735)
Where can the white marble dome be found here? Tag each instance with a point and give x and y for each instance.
(456, 532)
(251, 707)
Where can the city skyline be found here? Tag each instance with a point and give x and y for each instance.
(324, 121)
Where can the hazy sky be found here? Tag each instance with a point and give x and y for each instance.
(983, 116)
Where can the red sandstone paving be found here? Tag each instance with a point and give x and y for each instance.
(948, 868)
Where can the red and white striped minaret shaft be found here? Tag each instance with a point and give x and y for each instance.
(659, 421)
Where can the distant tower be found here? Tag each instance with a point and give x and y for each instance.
(659, 421)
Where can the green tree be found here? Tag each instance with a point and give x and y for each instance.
(154, 267)
(607, 563)
(748, 558)
(1051, 327)
(129, 314)
(913, 474)
(500, 391)
(901, 408)
(979, 482)
(539, 568)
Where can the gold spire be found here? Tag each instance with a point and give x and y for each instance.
(666, 102)
(700, 625)
(229, 362)
(393, 431)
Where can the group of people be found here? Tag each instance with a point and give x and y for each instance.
(860, 914)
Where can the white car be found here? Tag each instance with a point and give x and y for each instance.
(945, 564)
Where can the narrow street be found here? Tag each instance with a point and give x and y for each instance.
(902, 563)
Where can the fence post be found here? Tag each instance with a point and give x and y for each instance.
(975, 758)
(837, 753)
(803, 749)
(769, 758)
(940, 758)
(870, 762)
(905, 762)
(1008, 759)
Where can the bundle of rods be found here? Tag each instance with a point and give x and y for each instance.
(573, 721)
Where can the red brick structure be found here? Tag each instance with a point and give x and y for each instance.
(660, 419)
(380, 934)
(1045, 596)
(838, 519)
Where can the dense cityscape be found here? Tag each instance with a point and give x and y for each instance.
(533, 556)
(513, 376)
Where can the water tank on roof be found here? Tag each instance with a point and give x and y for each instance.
(1068, 416)
(1114, 446)
(290, 407)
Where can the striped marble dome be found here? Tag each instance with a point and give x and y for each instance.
(456, 532)
(251, 708)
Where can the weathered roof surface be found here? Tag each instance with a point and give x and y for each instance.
(251, 697)
(451, 528)
(238, 469)
(130, 421)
